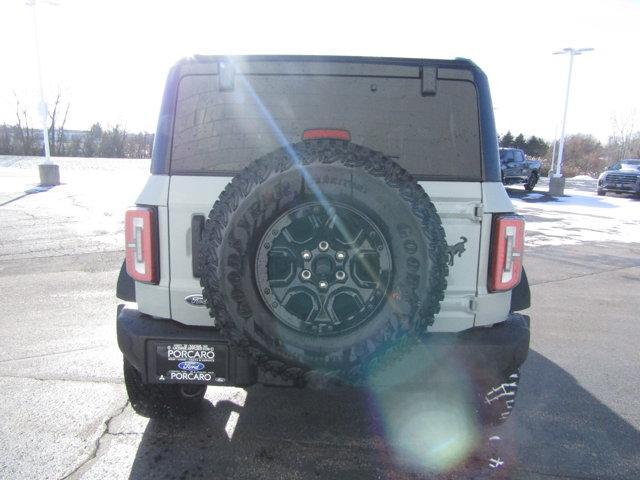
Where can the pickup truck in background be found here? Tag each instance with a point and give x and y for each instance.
(516, 168)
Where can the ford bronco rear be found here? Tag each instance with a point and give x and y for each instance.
(313, 220)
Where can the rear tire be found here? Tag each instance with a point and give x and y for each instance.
(161, 401)
(531, 182)
(496, 399)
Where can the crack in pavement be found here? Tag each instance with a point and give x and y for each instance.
(44, 355)
(83, 380)
(585, 275)
(97, 443)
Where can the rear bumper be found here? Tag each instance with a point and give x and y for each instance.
(138, 333)
(486, 351)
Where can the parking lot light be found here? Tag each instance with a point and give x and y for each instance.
(556, 182)
(49, 171)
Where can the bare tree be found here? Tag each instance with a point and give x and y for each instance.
(25, 134)
(7, 134)
(625, 140)
(583, 155)
(138, 145)
(56, 137)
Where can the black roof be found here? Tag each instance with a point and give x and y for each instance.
(457, 62)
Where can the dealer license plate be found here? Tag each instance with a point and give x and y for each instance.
(191, 363)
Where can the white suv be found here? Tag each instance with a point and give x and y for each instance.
(310, 219)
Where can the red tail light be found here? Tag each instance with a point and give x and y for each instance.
(141, 239)
(326, 133)
(506, 252)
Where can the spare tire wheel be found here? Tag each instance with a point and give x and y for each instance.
(321, 256)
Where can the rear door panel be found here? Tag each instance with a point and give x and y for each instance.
(456, 203)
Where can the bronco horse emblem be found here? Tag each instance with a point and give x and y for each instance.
(456, 249)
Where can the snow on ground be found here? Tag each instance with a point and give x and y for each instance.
(86, 213)
(582, 177)
(83, 214)
(580, 216)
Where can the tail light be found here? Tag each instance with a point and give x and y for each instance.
(506, 252)
(326, 133)
(141, 237)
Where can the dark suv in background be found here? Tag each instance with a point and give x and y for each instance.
(622, 177)
(517, 168)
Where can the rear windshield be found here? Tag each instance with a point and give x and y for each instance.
(220, 132)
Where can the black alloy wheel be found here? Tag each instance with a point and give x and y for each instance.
(323, 269)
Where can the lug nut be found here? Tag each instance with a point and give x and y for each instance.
(340, 256)
(323, 246)
(340, 275)
(305, 274)
(306, 255)
(323, 285)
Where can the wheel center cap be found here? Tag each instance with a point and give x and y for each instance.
(323, 266)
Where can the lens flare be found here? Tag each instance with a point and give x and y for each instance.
(424, 408)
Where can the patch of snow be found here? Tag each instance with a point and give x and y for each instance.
(89, 204)
(582, 177)
(581, 216)
(534, 196)
(77, 164)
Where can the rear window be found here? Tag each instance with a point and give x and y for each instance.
(220, 132)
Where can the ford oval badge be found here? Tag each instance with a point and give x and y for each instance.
(195, 300)
(191, 366)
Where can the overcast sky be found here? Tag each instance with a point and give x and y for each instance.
(110, 58)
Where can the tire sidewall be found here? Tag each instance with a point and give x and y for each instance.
(532, 181)
(414, 259)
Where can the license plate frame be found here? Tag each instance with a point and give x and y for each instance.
(195, 362)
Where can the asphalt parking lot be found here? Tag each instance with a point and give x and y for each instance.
(65, 413)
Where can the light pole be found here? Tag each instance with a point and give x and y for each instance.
(556, 182)
(553, 152)
(49, 172)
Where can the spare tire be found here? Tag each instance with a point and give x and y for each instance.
(321, 256)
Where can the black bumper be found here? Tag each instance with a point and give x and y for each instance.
(487, 351)
(139, 333)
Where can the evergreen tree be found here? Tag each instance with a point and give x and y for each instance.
(507, 140)
(536, 147)
(92, 141)
(520, 142)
